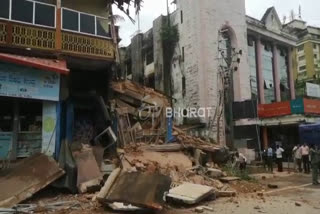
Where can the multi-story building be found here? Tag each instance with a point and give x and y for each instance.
(56, 57)
(307, 54)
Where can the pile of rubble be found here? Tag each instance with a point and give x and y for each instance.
(145, 170)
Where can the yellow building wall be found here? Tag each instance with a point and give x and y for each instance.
(309, 54)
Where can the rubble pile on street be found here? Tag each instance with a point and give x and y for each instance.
(144, 170)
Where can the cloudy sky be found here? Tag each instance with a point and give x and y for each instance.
(255, 8)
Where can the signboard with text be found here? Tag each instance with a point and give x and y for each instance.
(25, 82)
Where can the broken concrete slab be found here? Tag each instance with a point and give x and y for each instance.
(32, 175)
(143, 190)
(214, 173)
(229, 179)
(89, 175)
(189, 193)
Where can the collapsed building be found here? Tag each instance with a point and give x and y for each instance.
(240, 67)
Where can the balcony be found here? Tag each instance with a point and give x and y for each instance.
(38, 26)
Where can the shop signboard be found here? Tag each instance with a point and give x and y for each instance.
(274, 109)
(297, 106)
(26, 82)
(311, 106)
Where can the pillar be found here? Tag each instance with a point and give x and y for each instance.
(58, 26)
(276, 78)
(265, 137)
(260, 71)
(290, 73)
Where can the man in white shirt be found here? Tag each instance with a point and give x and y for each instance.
(305, 150)
(241, 161)
(297, 156)
(279, 152)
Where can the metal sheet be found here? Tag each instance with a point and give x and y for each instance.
(140, 189)
(27, 178)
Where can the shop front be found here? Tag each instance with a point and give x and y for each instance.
(29, 98)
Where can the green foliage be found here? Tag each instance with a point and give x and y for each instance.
(170, 35)
(236, 172)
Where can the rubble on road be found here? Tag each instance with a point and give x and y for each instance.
(189, 193)
(30, 176)
(144, 190)
(89, 175)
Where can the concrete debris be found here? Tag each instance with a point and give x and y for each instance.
(298, 204)
(26, 179)
(89, 175)
(273, 186)
(146, 190)
(214, 173)
(51, 207)
(229, 179)
(189, 193)
(226, 194)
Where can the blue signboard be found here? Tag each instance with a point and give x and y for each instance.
(26, 82)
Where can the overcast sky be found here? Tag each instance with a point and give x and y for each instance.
(255, 8)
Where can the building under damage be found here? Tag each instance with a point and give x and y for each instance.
(56, 60)
(240, 67)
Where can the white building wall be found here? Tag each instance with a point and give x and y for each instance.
(199, 37)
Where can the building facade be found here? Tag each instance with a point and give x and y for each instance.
(240, 67)
(56, 57)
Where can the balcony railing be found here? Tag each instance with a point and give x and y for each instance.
(30, 24)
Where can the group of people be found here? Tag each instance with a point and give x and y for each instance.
(268, 155)
(303, 154)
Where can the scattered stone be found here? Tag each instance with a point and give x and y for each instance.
(257, 208)
(298, 204)
(273, 186)
(214, 173)
(260, 194)
(199, 209)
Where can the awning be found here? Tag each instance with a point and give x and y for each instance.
(59, 66)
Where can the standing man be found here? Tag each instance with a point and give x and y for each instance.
(270, 159)
(315, 161)
(305, 158)
(297, 156)
(279, 152)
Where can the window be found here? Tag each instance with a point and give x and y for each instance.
(149, 57)
(183, 54)
(181, 16)
(301, 48)
(183, 86)
(22, 11)
(45, 15)
(70, 20)
(314, 46)
(301, 58)
(315, 56)
(103, 27)
(4, 9)
(301, 68)
(87, 24)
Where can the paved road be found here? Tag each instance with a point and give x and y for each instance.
(295, 195)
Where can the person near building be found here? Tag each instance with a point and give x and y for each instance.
(270, 159)
(279, 157)
(297, 157)
(315, 162)
(241, 161)
(305, 158)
